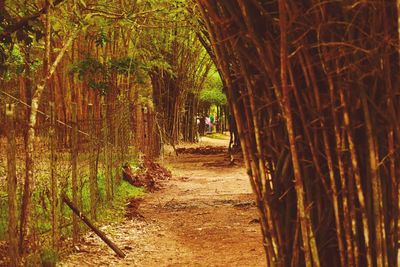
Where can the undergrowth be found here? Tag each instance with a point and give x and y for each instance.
(107, 212)
(217, 136)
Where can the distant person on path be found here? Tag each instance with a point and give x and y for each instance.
(208, 123)
(217, 125)
(198, 130)
(211, 122)
(234, 135)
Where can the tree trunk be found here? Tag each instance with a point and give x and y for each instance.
(12, 187)
(74, 171)
(29, 178)
(107, 163)
(55, 235)
(92, 164)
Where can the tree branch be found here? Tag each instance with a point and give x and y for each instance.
(8, 30)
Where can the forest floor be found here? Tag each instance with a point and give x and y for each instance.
(205, 215)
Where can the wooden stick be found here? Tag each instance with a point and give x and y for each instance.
(91, 226)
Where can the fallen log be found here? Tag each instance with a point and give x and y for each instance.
(94, 228)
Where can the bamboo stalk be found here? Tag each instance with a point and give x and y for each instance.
(54, 182)
(344, 190)
(74, 171)
(92, 165)
(12, 186)
(308, 237)
(380, 237)
(357, 177)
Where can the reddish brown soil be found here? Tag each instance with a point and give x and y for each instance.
(149, 176)
(204, 215)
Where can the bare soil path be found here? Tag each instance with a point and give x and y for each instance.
(204, 216)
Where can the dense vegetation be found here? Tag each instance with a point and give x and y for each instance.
(312, 86)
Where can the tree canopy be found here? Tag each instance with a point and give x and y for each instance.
(212, 92)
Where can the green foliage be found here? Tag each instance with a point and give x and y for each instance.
(160, 64)
(48, 257)
(26, 35)
(102, 87)
(106, 211)
(212, 92)
(16, 55)
(94, 71)
(3, 216)
(101, 39)
(124, 65)
(98, 74)
(11, 61)
(87, 66)
(116, 212)
(214, 96)
(218, 136)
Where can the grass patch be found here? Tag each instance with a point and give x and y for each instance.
(3, 215)
(116, 211)
(218, 136)
(48, 257)
(107, 212)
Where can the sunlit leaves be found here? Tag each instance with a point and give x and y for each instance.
(212, 92)
(13, 62)
(101, 39)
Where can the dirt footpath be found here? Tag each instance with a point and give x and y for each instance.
(204, 216)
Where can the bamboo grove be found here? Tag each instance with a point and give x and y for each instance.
(313, 86)
(118, 65)
(178, 88)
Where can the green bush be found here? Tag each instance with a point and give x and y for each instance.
(48, 257)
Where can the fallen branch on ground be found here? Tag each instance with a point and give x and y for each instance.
(94, 228)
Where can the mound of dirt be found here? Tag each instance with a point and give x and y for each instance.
(203, 150)
(149, 175)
